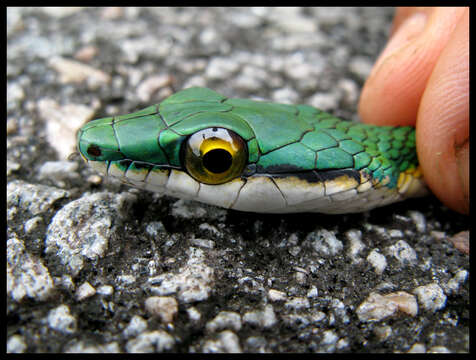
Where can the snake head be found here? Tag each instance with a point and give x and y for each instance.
(241, 154)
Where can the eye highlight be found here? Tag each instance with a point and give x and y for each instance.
(215, 155)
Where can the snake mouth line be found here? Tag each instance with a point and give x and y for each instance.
(316, 176)
(309, 176)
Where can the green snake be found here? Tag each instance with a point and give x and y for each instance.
(255, 156)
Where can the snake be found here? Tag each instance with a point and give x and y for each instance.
(255, 156)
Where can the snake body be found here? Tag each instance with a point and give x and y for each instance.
(255, 156)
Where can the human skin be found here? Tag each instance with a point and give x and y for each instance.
(422, 79)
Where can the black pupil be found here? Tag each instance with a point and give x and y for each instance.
(217, 161)
(94, 150)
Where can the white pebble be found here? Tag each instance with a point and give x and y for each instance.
(194, 314)
(377, 307)
(224, 320)
(378, 261)
(276, 295)
(417, 348)
(16, 344)
(356, 245)
(431, 297)
(164, 307)
(105, 290)
(60, 319)
(84, 291)
(403, 252)
(136, 326)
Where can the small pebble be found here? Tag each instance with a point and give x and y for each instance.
(136, 326)
(221, 68)
(60, 319)
(395, 233)
(126, 279)
(84, 291)
(154, 228)
(225, 320)
(106, 290)
(83, 347)
(151, 85)
(67, 282)
(191, 283)
(438, 235)
(403, 252)
(285, 96)
(439, 349)
(27, 276)
(256, 344)
(431, 297)
(325, 242)
(342, 344)
(312, 293)
(419, 220)
(16, 344)
(276, 295)
(32, 224)
(71, 71)
(151, 342)
(164, 307)
(94, 179)
(12, 126)
(417, 348)
(58, 170)
(324, 101)
(62, 123)
(204, 243)
(329, 337)
(461, 241)
(452, 286)
(300, 277)
(112, 12)
(194, 314)
(297, 303)
(377, 307)
(383, 332)
(227, 342)
(378, 261)
(361, 66)
(60, 12)
(356, 245)
(86, 53)
(263, 319)
(12, 166)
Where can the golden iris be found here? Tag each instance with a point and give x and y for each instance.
(215, 155)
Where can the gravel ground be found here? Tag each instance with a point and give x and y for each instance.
(95, 266)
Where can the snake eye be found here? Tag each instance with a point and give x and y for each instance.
(215, 155)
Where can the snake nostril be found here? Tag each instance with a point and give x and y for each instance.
(94, 150)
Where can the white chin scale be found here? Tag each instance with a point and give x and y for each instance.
(262, 194)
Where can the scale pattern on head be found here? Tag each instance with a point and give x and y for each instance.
(280, 138)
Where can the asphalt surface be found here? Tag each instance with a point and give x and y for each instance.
(95, 266)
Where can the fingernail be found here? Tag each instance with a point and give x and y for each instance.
(408, 30)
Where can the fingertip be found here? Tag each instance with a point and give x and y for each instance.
(443, 123)
(392, 94)
(387, 97)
